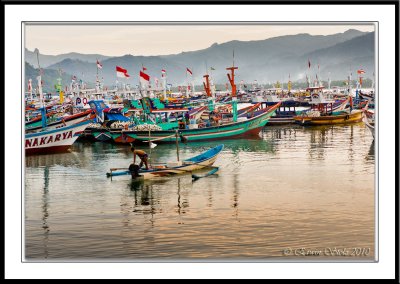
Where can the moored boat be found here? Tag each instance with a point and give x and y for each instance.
(244, 127)
(370, 123)
(340, 118)
(322, 111)
(54, 141)
(203, 160)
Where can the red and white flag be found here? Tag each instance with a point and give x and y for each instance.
(121, 72)
(189, 71)
(144, 68)
(360, 71)
(163, 73)
(144, 78)
(99, 65)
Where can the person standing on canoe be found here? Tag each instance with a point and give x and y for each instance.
(142, 155)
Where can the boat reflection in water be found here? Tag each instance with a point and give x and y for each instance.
(292, 187)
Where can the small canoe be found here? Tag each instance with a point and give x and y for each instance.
(203, 160)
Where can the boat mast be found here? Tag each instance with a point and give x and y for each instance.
(207, 88)
(164, 78)
(59, 86)
(231, 78)
(30, 89)
(41, 99)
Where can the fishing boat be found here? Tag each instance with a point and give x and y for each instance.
(54, 141)
(244, 127)
(203, 160)
(370, 123)
(57, 121)
(322, 111)
(217, 127)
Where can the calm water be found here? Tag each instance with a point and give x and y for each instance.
(294, 191)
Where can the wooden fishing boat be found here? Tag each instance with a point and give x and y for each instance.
(58, 121)
(203, 160)
(322, 111)
(244, 127)
(370, 124)
(338, 118)
(54, 141)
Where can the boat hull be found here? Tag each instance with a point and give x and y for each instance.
(68, 121)
(355, 116)
(247, 128)
(53, 141)
(369, 126)
(206, 159)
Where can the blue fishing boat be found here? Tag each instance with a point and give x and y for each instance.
(203, 160)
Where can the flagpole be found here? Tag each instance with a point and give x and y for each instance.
(192, 82)
(164, 76)
(187, 85)
(42, 107)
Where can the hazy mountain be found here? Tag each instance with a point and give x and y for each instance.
(265, 60)
(47, 60)
(49, 78)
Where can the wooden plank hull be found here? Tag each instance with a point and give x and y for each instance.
(53, 141)
(68, 121)
(247, 128)
(355, 116)
(206, 159)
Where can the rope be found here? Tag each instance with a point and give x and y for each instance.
(161, 138)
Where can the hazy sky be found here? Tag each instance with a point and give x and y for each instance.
(119, 40)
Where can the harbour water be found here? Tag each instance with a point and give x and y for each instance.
(293, 194)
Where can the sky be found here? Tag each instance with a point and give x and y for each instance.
(118, 40)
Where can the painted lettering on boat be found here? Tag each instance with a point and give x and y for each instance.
(33, 142)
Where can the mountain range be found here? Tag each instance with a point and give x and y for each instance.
(269, 60)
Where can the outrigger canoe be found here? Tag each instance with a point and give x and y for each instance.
(203, 160)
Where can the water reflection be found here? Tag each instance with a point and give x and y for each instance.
(237, 145)
(235, 195)
(319, 140)
(266, 185)
(371, 152)
(45, 211)
(64, 159)
(281, 132)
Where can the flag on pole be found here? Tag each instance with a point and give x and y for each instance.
(144, 78)
(212, 68)
(360, 71)
(163, 73)
(99, 65)
(121, 72)
(144, 68)
(189, 71)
